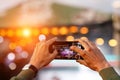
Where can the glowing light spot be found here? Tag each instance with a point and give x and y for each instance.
(45, 31)
(84, 38)
(2, 32)
(12, 66)
(42, 37)
(24, 54)
(10, 33)
(63, 30)
(73, 29)
(35, 32)
(84, 30)
(113, 42)
(18, 49)
(100, 41)
(18, 33)
(26, 32)
(12, 46)
(55, 31)
(69, 38)
(1, 39)
(11, 56)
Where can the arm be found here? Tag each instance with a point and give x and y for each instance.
(94, 59)
(109, 74)
(40, 58)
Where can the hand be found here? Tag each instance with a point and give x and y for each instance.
(41, 56)
(92, 56)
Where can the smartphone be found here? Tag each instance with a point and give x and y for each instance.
(63, 49)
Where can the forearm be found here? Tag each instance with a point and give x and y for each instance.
(109, 74)
(24, 75)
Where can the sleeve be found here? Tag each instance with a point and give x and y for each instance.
(24, 75)
(109, 74)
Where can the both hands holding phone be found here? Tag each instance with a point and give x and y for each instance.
(85, 53)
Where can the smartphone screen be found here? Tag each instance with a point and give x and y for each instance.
(63, 48)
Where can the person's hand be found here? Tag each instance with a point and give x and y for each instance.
(92, 56)
(41, 55)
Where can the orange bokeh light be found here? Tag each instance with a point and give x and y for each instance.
(84, 30)
(55, 31)
(73, 29)
(63, 30)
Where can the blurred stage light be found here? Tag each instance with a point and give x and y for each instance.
(84, 37)
(19, 33)
(55, 31)
(63, 30)
(12, 46)
(73, 29)
(18, 49)
(10, 33)
(99, 41)
(1, 39)
(113, 42)
(2, 32)
(12, 66)
(45, 31)
(26, 32)
(11, 56)
(69, 38)
(35, 32)
(84, 30)
(42, 37)
(24, 54)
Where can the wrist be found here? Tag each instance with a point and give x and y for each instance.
(103, 66)
(31, 67)
(38, 66)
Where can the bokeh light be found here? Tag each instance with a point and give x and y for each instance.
(113, 42)
(42, 37)
(26, 32)
(55, 31)
(2, 32)
(99, 41)
(45, 31)
(10, 33)
(1, 39)
(83, 37)
(18, 49)
(12, 66)
(12, 46)
(18, 33)
(69, 38)
(63, 30)
(35, 32)
(24, 54)
(84, 30)
(73, 29)
(11, 56)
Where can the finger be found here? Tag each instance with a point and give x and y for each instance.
(78, 50)
(84, 44)
(91, 44)
(82, 62)
(49, 42)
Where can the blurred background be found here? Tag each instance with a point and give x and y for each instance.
(23, 23)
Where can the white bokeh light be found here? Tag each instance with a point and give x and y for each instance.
(12, 66)
(42, 37)
(11, 56)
